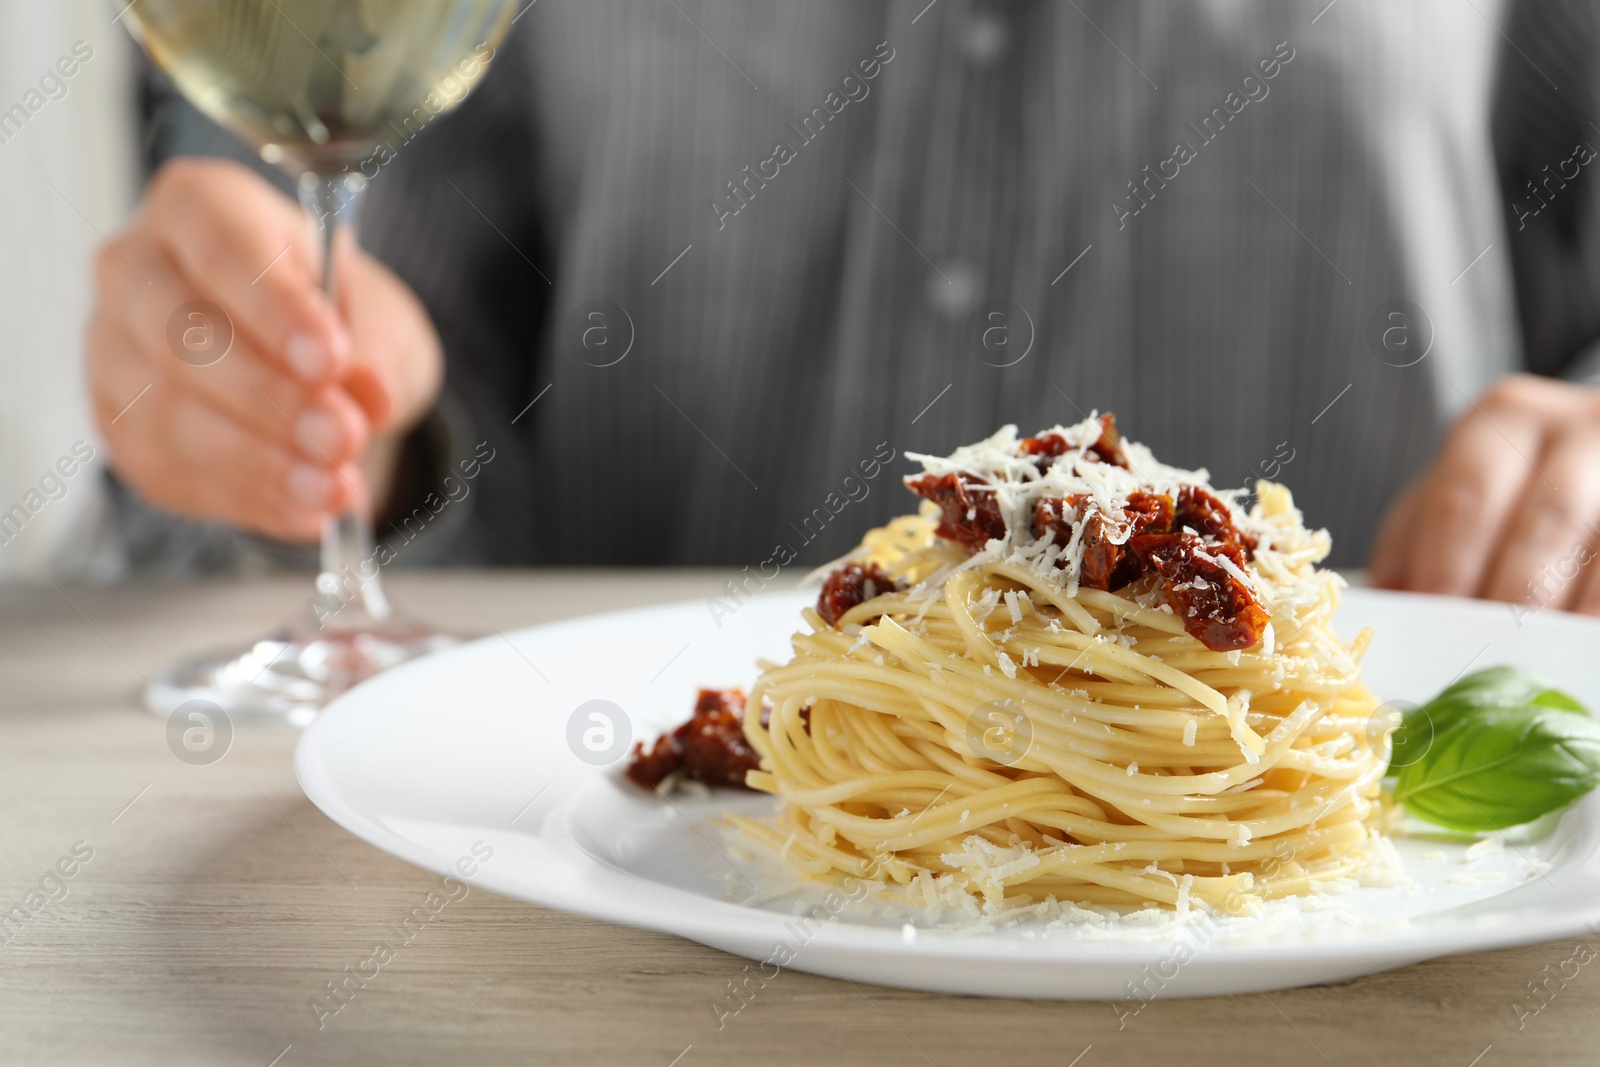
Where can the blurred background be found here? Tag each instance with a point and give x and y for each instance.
(71, 173)
(1278, 240)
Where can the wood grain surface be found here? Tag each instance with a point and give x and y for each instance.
(218, 901)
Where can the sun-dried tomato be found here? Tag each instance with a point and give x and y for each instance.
(1150, 513)
(1101, 554)
(709, 748)
(1204, 513)
(850, 585)
(968, 515)
(1106, 564)
(1109, 444)
(1044, 448)
(1217, 609)
(1107, 448)
(1055, 516)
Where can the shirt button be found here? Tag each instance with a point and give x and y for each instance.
(955, 289)
(986, 38)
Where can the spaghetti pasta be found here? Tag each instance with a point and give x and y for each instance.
(1047, 706)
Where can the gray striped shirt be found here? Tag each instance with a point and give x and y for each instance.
(696, 264)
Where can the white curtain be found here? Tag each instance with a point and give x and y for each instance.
(66, 177)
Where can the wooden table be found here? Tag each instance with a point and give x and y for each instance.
(218, 900)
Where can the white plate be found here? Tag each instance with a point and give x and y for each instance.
(472, 745)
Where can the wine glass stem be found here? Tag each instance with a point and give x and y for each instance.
(347, 556)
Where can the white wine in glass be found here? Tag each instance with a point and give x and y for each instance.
(328, 90)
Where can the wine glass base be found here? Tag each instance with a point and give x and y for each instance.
(289, 677)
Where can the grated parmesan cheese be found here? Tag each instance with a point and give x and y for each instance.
(1472, 880)
(1013, 606)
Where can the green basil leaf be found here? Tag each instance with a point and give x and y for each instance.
(1494, 687)
(1495, 767)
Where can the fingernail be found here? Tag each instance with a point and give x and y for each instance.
(320, 430)
(309, 485)
(308, 356)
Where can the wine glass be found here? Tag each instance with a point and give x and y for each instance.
(329, 91)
